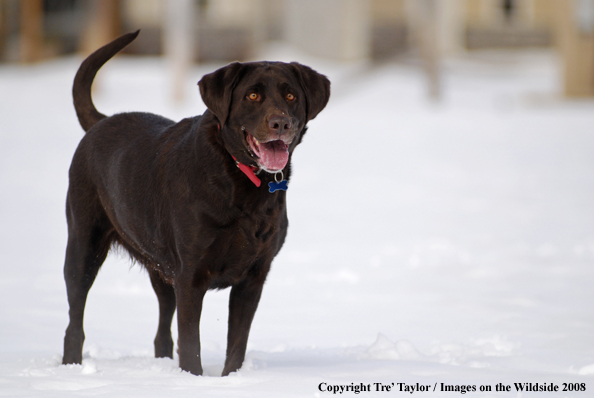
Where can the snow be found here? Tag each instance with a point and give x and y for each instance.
(429, 243)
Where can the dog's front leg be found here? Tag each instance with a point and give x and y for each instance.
(243, 302)
(189, 307)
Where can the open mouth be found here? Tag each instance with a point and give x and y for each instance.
(272, 155)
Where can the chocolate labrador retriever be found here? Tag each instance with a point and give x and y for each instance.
(199, 203)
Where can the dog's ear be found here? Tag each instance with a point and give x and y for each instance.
(216, 89)
(316, 87)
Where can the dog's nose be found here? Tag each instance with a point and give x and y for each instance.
(279, 124)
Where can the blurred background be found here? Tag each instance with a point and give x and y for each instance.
(442, 199)
(194, 31)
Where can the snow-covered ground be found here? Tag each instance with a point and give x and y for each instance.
(429, 243)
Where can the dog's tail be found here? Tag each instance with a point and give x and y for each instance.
(81, 89)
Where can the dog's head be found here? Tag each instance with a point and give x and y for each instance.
(263, 108)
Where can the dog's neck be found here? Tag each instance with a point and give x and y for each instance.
(249, 171)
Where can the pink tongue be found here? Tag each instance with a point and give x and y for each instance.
(274, 155)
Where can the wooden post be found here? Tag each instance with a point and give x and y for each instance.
(428, 16)
(180, 31)
(3, 30)
(104, 24)
(575, 38)
(31, 30)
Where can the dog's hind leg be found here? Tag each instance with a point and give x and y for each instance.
(87, 248)
(166, 296)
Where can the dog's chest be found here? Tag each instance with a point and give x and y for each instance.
(250, 243)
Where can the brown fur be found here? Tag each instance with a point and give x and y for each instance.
(172, 196)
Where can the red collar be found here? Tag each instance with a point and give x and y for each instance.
(248, 171)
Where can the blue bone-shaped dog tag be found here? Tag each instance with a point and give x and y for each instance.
(277, 186)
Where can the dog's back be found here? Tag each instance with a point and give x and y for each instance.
(106, 173)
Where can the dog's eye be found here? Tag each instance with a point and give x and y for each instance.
(254, 97)
(290, 97)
